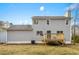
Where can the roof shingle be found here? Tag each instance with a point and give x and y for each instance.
(20, 28)
(50, 17)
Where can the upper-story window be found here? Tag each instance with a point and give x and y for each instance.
(48, 22)
(35, 21)
(66, 22)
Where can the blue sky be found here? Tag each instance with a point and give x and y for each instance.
(21, 13)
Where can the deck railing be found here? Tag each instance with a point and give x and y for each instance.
(53, 37)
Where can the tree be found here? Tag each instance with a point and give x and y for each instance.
(1, 23)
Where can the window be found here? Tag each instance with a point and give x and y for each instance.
(48, 22)
(49, 32)
(66, 22)
(59, 31)
(40, 33)
(35, 21)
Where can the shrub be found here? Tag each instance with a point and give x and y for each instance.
(75, 38)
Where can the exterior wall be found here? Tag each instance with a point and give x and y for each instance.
(19, 36)
(54, 26)
(27, 36)
(3, 36)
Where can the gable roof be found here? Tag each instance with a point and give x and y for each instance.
(20, 28)
(50, 17)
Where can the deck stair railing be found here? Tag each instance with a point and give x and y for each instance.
(59, 37)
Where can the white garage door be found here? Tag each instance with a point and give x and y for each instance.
(19, 36)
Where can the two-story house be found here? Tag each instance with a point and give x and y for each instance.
(40, 26)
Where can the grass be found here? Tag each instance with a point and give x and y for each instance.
(39, 50)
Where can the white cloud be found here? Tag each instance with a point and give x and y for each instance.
(72, 22)
(23, 22)
(73, 6)
(77, 23)
(42, 8)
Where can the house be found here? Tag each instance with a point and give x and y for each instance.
(3, 31)
(40, 26)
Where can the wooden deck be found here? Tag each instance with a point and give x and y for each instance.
(53, 37)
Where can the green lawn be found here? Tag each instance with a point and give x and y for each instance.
(39, 50)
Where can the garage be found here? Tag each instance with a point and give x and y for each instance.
(19, 34)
